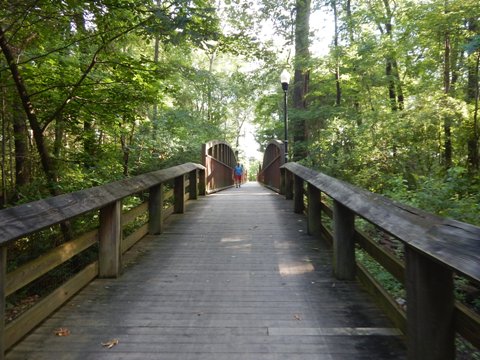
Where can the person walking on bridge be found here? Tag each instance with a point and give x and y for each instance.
(237, 175)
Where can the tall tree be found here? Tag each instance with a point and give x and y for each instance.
(301, 77)
(473, 89)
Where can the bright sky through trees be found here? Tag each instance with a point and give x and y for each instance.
(321, 22)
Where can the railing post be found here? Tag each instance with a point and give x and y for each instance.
(298, 205)
(343, 242)
(193, 187)
(282, 182)
(155, 210)
(3, 293)
(110, 236)
(430, 307)
(202, 189)
(314, 223)
(179, 194)
(288, 185)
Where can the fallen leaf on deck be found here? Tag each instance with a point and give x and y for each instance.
(62, 332)
(110, 343)
(297, 317)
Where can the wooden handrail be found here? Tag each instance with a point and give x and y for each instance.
(188, 181)
(435, 249)
(31, 217)
(454, 244)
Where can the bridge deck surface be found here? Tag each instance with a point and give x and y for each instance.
(236, 277)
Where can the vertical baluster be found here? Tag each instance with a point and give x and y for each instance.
(202, 189)
(343, 242)
(314, 223)
(110, 236)
(179, 193)
(298, 205)
(193, 186)
(282, 181)
(155, 210)
(430, 308)
(288, 185)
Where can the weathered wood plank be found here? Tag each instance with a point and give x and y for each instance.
(134, 237)
(343, 242)
(298, 204)
(314, 217)
(430, 299)
(110, 239)
(32, 317)
(155, 209)
(193, 185)
(24, 219)
(31, 271)
(132, 214)
(467, 323)
(179, 194)
(455, 244)
(385, 301)
(390, 262)
(227, 286)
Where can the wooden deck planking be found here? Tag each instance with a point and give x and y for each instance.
(236, 277)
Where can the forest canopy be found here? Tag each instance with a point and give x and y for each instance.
(92, 91)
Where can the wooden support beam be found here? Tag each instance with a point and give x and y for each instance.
(281, 190)
(3, 294)
(155, 210)
(430, 308)
(314, 219)
(288, 185)
(202, 184)
(193, 185)
(343, 242)
(179, 194)
(298, 205)
(110, 236)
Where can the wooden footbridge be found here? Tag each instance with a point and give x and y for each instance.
(175, 269)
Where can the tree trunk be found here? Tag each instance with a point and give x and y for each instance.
(395, 92)
(392, 95)
(3, 195)
(473, 97)
(45, 158)
(301, 77)
(351, 35)
(474, 135)
(22, 174)
(338, 98)
(447, 128)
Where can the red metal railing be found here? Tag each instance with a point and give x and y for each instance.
(219, 160)
(273, 158)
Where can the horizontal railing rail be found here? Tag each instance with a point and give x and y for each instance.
(104, 202)
(435, 249)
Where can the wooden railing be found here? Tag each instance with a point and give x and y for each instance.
(273, 158)
(435, 249)
(103, 203)
(219, 160)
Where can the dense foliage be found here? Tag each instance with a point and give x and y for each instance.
(393, 106)
(94, 91)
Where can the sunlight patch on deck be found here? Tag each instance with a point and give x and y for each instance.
(231, 239)
(297, 268)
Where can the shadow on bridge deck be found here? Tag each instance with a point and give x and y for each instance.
(236, 277)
